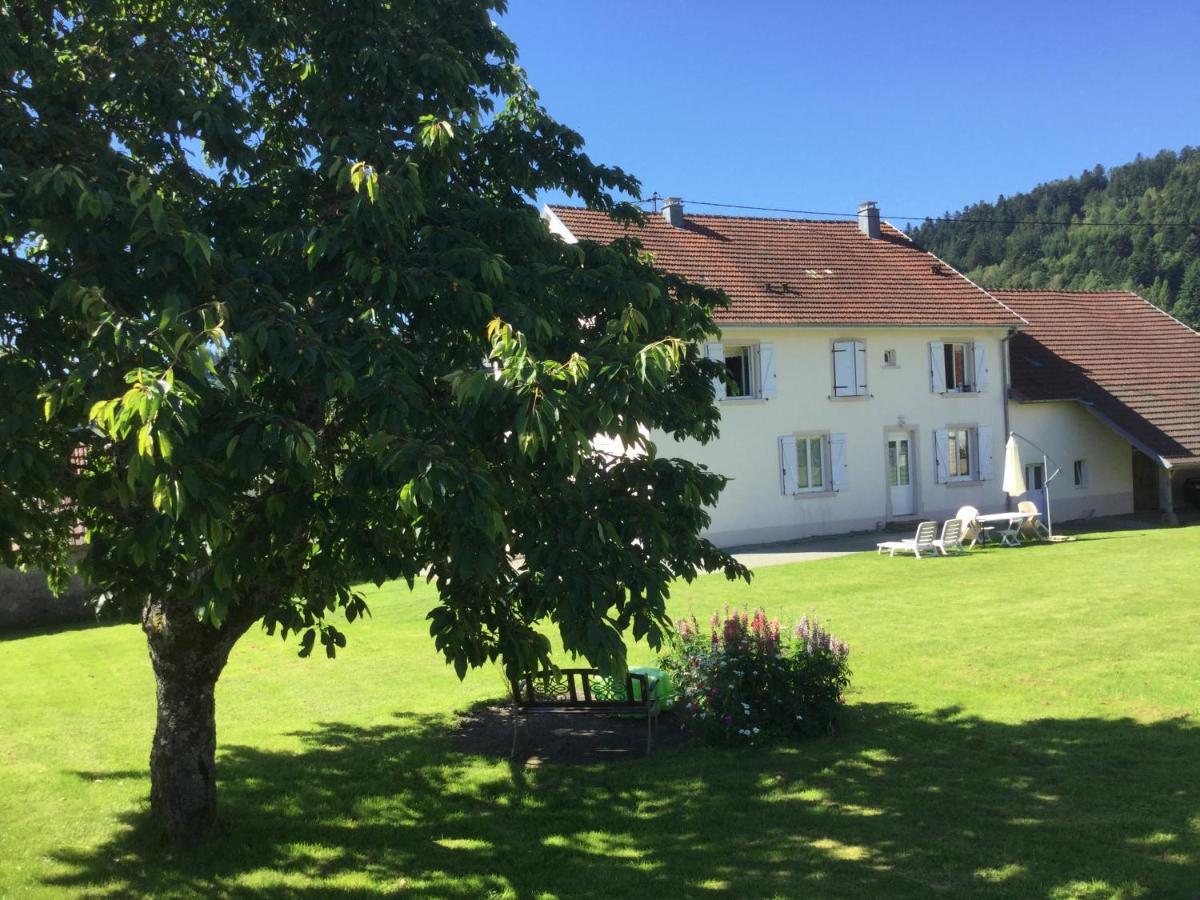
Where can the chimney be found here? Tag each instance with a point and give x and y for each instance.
(673, 211)
(868, 219)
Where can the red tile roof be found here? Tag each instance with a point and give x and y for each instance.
(805, 272)
(1131, 363)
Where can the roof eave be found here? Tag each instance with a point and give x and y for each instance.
(859, 323)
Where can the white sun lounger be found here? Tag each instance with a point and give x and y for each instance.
(926, 532)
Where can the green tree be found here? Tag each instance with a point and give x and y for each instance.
(1133, 227)
(1187, 306)
(275, 268)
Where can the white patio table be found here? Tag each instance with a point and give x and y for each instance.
(1009, 525)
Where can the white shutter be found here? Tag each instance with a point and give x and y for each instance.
(941, 453)
(843, 369)
(766, 369)
(715, 351)
(985, 452)
(937, 367)
(860, 368)
(838, 466)
(979, 352)
(787, 464)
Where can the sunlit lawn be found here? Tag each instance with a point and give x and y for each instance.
(1021, 724)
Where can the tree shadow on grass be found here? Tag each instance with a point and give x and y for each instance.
(900, 804)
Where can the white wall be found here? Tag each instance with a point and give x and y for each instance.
(753, 507)
(1067, 432)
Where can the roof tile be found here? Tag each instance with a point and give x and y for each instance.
(805, 272)
(1126, 358)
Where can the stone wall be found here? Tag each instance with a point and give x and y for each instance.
(26, 601)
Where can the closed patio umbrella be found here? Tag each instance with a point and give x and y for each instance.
(1014, 477)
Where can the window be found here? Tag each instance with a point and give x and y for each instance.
(749, 370)
(898, 465)
(810, 468)
(1034, 477)
(959, 453)
(889, 358)
(813, 463)
(955, 357)
(958, 367)
(849, 369)
(741, 372)
(1081, 473)
(963, 453)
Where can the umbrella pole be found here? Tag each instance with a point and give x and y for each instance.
(1046, 470)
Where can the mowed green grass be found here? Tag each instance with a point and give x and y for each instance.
(1022, 724)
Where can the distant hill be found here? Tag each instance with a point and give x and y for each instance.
(1006, 245)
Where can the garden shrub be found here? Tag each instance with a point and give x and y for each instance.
(745, 676)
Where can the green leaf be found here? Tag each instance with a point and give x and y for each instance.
(145, 442)
(164, 445)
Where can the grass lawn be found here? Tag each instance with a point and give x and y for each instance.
(1022, 724)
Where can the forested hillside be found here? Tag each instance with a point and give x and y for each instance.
(1135, 226)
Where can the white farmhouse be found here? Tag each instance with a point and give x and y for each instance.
(867, 380)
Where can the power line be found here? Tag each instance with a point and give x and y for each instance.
(961, 220)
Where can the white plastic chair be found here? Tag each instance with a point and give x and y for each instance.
(926, 532)
(972, 530)
(951, 539)
(1031, 529)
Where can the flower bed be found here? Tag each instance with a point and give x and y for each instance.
(747, 676)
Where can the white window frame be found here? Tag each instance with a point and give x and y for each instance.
(890, 359)
(954, 457)
(749, 352)
(980, 463)
(974, 367)
(966, 386)
(852, 364)
(1079, 472)
(804, 445)
(797, 470)
(760, 369)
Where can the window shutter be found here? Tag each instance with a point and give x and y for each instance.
(715, 351)
(937, 367)
(766, 368)
(860, 368)
(844, 380)
(979, 352)
(985, 452)
(941, 453)
(838, 466)
(787, 464)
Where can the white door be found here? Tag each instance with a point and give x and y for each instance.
(899, 466)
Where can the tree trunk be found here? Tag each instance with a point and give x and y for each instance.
(188, 657)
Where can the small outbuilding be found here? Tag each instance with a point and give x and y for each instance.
(1109, 385)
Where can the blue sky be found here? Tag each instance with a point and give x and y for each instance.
(923, 107)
